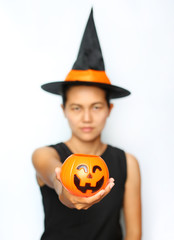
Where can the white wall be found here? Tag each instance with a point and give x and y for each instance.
(39, 41)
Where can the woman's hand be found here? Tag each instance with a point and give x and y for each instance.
(79, 203)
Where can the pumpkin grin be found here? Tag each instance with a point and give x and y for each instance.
(88, 186)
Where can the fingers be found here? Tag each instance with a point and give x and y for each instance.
(100, 195)
(110, 185)
(108, 188)
(111, 180)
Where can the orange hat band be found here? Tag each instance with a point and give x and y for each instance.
(88, 76)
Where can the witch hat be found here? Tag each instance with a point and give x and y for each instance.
(88, 68)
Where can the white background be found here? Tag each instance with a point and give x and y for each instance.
(39, 41)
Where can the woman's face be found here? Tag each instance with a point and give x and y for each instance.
(86, 110)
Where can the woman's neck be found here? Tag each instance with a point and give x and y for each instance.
(95, 147)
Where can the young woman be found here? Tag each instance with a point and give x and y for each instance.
(86, 106)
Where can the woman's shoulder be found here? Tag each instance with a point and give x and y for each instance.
(116, 148)
(41, 153)
(129, 157)
(120, 152)
(44, 149)
(132, 161)
(133, 169)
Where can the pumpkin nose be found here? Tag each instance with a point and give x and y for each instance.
(89, 175)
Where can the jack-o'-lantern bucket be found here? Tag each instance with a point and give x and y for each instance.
(84, 175)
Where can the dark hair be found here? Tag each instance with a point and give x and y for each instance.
(67, 87)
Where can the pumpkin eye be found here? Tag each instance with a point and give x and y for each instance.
(84, 167)
(95, 168)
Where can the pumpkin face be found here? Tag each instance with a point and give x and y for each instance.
(84, 175)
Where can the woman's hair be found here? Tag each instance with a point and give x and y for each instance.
(67, 87)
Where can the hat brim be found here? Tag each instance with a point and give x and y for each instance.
(58, 88)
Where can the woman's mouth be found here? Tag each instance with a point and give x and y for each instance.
(87, 129)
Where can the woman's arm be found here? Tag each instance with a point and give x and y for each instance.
(48, 166)
(132, 200)
(45, 160)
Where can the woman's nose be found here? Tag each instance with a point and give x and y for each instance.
(87, 116)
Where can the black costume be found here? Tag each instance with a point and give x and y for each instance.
(99, 222)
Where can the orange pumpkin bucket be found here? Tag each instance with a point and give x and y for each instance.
(84, 175)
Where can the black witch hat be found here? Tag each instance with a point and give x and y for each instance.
(89, 67)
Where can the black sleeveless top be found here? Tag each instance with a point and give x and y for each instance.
(99, 222)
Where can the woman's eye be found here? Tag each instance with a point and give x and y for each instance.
(97, 107)
(76, 108)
